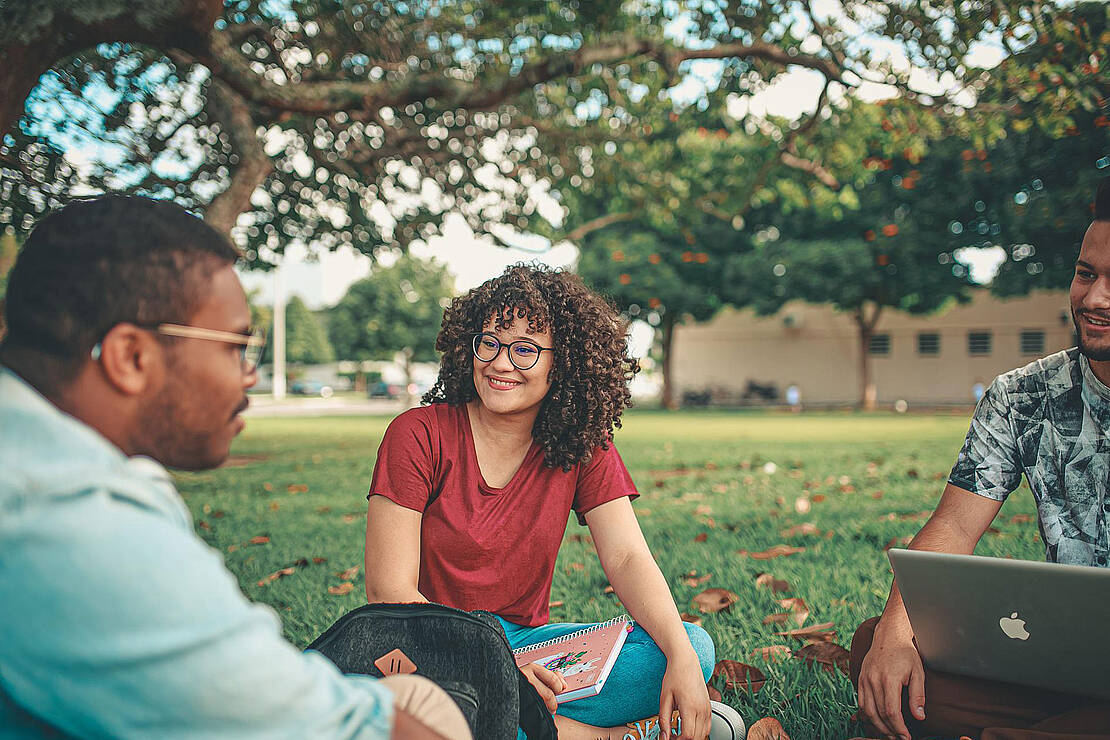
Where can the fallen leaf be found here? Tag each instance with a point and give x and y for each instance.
(297, 488)
(695, 581)
(781, 618)
(607, 590)
(994, 530)
(774, 552)
(703, 510)
(218, 514)
(818, 498)
(555, 604)
(898, 542)
(342, 588)
(766, 580)
(798, 609)
(323, 509)
(260, 539)
(713, 600)
(847, 489)
(274, 506)
(276, 575)
(912, 473)
(739, 676)
(844, 480)
(1021, 519)
(877, 495)
(772, 653)
(204, 525)
(577, 566)
(701, 537)
(814, 633)
(714, 695)
(348, 518)
(690, 618)
(915, 516)
(800, 529)
(268, 486)
(232, 548)
(720, 488)
(829, 655)
(767, 728)
(319, 560)
(801, 505)
(350, 574)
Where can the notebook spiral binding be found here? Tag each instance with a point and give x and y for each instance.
(579, 633)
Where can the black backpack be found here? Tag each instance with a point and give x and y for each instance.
(465, 653)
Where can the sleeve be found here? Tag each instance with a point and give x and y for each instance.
(603, 479)
(404, 471)
(121, 623)
(989, 463)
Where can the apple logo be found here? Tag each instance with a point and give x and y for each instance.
(1013, 627)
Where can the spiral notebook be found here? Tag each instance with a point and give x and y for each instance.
(583, 658)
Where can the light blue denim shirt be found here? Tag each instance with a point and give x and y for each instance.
(116, 620)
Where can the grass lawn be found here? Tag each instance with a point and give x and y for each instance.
(296, 487)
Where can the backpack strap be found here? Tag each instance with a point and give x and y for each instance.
(535, 720)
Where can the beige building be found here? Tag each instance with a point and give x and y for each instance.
(934, 359)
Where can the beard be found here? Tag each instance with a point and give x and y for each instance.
(178, 433)
(1089, 350)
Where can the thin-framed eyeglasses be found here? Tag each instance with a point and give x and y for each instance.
(523, 353)
(250, 344)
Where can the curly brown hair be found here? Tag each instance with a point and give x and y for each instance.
(592, 367)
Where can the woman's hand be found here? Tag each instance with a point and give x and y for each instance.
(684, 689)
(546, 683)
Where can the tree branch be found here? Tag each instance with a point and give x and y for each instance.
(597, 224)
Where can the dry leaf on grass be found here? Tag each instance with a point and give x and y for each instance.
(607, 590)
(703, 510)
(738, 675)
(342, 588)
(814, 633)
(554, 604)
(800, 529)
(799, 610)
(802, 505)
(828, 654)
(260, 539)
(348, 518)
(898, 542)
(318, 561)
(694, 581)
(766, 580)
(323, 509)
(767, 728)
(690, 618)
(818, 498)
(713, 600)
(782, 618)
(350, 574)
(714, 695)
(701, 537)
(297, 488)
(577, 566)
(772, 653)
(1021, 519)
(276, 575)
(776, 551)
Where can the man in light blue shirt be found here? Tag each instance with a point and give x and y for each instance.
(129, 348)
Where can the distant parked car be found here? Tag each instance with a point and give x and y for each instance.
(381, 389)
(311, 388)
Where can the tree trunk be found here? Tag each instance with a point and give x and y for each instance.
(866, 325)
(33, 40)
(667, 328)
(406, 365)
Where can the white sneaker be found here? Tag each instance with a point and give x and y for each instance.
(727, 724)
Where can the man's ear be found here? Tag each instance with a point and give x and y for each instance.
(132, 359)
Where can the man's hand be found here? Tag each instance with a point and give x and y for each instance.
(546, 683)
(892, 662)
(684, 689)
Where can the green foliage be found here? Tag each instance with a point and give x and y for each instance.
(680, 462)
(306, 340)
(398, 309)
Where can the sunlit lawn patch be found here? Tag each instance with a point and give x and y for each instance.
(769, 506)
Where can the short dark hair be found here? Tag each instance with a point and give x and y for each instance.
(589, 379)
(1102, 200)
(97, 262)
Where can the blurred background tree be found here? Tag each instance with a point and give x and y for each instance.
(394, 314)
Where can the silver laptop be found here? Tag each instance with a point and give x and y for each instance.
(1032, 623)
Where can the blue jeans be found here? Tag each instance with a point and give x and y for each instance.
(632, 690)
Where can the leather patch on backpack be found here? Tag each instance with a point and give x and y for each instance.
(393, 662)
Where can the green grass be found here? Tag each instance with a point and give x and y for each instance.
(683, 463)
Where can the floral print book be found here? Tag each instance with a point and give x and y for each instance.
(583, 658)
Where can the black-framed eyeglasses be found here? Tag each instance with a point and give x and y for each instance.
(523, 353)
(250, 344)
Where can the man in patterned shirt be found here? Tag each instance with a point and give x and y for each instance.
(1051, 421)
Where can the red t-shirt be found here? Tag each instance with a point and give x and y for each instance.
(482, 547)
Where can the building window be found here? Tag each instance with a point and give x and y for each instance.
(928, 343)
(1032, 342)
(879, 344)
(978, 342)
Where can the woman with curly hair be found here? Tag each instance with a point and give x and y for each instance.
(471, 494)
